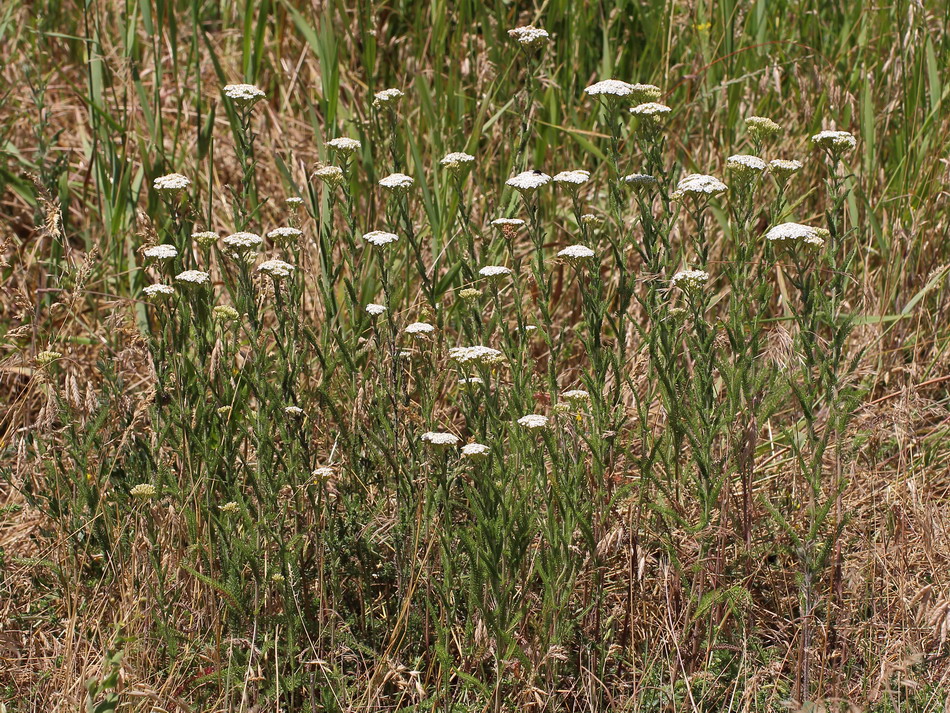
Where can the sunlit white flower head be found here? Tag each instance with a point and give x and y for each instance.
(244, 95)
(472, 380)
(332, 176)
(791, 234)
(323, 473)
(277, 269)
(171, 185)
(243, 242)
(143, 491)
(698, 185)
(576, 397)
(504, 223)
(161, 252)
(528, 182)
(761, 127)
(456, 161)
(688, 280)
(344, 145)
(387, 98)
(193, 277)
(572, 180)
(295, 201)
(440, 439)
(294, 411)
(533, 421)
(576, 253)
(419, 329)
(745, 167)
(783, 169)
(285, 234)
(397, 183)
(380, 238)
(494, 271)
(834, 141)
(612, 89)
(230, 508)
(205, 238)
(529, 36)
(374, 310)
(476, 355)
(639, 179)
(650, 109)
(475, 451)
(592, 219)
(158, 291)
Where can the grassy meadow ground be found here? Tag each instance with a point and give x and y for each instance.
(251, 493)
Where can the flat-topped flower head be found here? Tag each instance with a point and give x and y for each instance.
(610, 87)
(243, 242)
(475, 451)
(745, 167)
(456, 162)
(788, 235)
(419, 329)
(398, 183)
(143, 491)
(508, 226)
(205, 238)
(244, 95)
(533, 421)
(374, 310)
(761, 128)
(161, 252)
(171, 185)
(293, 411)
(285, 235)
(158, 292)
(783, 169)
(387, 98)
(527, 182)
(194, 278)
(572, 180)
(592, 220)
(323, 474)
(230, 508)
(653, 109)
(477, 354)
(639, 180)
(576, 253)
(834, 142)
(332, 176)
(698, 185)
(345, 146)
(277, 269)
(529, 37)
(440, 439)
(494, 271)
(689, 280)
(380, 238)
(471, 380)
(294, 201)
(225, 314)
(576, 397)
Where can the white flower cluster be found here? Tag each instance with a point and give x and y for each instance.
(457, 160)
(157, 291)
(374, 310)
(507, 222)
(277, 269)
(528, 182)
(193, 277)
(760, 127)
(476, 355)
(653, 109)
(783, 169)
(397, 183)
(344, 145)
(294, 201)
(698, 185)
(745, 167)
(533, 421)
(205, 238)
(576, 396)
(791, 234)
(639, 179)
(475, 451)
(688, 280)
(529, 36)
(419, 329)
(575, 253)
(491, 271)
(244, 95)
(387, 98)
(285, 234)
(161, 252)
(615, 88)
(331, 175)
(440, 439)
(242, 241)
(172, 184)
(572, 179)
(834, 141)
(380, 238)
(294, 411)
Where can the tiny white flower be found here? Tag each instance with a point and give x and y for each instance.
(529, 36)
(419, 329)
(440, 439)
(761, 127)
(639, 179)
(294, 411)
(745, 167)
(790, 234)
(285, 234)
(783, 169)
(374, 309)
(576, 396)
(143, 491)
(834, 141)
(591, 219)
(387, 98)
(323, 473)
(613, 87)
(380, 238)
(475, 451)
(193, 277)
(533, 421)
(476, 355)
(294, 201)
(277, 269)
(158, 291)
(244, 95)
(161, 252)
(576, 253)
(397, 183)
(572, 180)
(205, 238)
(171, 185)
(507, 222)
(650, 109)
(528, 182)
(698, 184)
(344, 145)
(491, 271)
(456, 161)
(242, 241)
(333, 176)
(688, 280)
